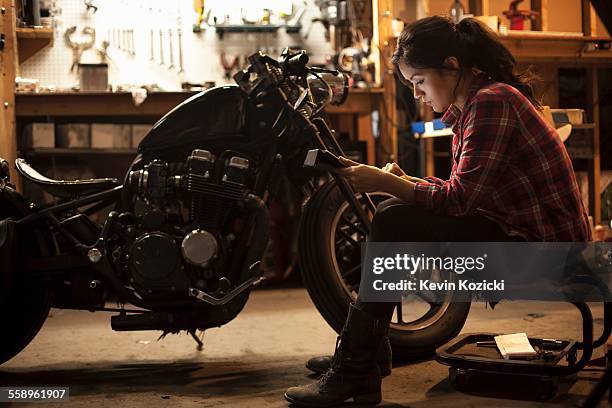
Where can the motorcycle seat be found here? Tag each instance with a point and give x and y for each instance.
(64, 188)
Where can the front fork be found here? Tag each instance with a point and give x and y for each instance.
(325, 139)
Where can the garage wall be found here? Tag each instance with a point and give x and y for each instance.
(200, 50)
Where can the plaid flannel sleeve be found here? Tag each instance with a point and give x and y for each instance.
(489, 126)
(434, 180)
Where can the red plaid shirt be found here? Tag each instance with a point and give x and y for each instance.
(510, 166)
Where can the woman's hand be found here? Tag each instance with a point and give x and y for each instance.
(367, 179)
(393, 168)
(364, 178)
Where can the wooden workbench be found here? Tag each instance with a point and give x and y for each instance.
(359, 106)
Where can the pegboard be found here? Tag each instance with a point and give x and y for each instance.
(51, 65)
(201, 51)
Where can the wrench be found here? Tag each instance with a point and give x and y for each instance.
(152, 41)
(171, 49)
(161, 47)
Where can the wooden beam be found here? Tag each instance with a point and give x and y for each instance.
(537, 24)
(541, 7)
(593, 22)
(383, 11)
(595, 171)
(585, 8)
(476, 7)
(8, 61)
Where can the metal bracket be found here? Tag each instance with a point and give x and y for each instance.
(2, 42)
(211, 300)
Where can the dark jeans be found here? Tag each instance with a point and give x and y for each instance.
(396, 221)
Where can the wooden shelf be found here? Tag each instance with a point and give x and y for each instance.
(543, 46)
(71, 152)
(552, 46)
(34, 33)
(584, 126)
(32, 40)
(29, 104)
(222, 29)
(64, 104)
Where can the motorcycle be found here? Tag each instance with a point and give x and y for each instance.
(189, 223)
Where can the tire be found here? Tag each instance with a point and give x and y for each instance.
(333, 284)
(25, 306)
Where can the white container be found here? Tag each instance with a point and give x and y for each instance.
(110, 136)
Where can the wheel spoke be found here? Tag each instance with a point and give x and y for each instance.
(347, 237)
(353, 223)
(351, 271)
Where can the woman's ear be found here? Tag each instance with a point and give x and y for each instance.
(451, 63)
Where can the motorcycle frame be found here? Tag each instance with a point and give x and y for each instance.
(320, 136)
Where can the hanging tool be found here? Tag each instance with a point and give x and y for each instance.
(229, 67)
(103, 51)
(79, 47)
(170, 49)
(152, 42)
(201, 19)
(132, 47)
(90, 6)
(161, 47)
(179, 33)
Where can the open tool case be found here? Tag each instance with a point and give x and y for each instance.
(469, 361)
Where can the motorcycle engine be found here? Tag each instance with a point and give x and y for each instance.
(178, 235)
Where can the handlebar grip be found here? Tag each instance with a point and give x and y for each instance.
(298, 62)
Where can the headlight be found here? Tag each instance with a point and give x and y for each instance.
(328, 87)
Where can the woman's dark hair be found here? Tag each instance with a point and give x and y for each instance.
(428, 42)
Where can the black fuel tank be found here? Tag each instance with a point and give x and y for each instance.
(217, 113)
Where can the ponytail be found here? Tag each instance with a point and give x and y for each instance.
(428, 42)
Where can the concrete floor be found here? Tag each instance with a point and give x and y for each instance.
(252, 360)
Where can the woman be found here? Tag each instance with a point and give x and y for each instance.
(512, 180)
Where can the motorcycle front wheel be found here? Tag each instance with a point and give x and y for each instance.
(329, 249)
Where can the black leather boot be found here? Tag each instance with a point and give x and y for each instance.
(383, 358)
(353, 372)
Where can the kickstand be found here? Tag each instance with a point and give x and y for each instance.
(200, 345)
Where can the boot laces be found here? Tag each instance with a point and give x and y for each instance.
(335, 369)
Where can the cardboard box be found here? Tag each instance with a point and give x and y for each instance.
(138, 133)
(39, 135)
(72, 135)
(110, 136)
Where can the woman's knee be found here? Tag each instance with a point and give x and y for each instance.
(384, 205)
(396, 220)
(390, 215)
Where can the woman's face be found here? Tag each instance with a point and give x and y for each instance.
(434, 87)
